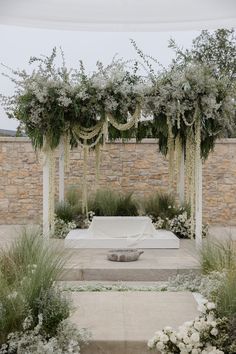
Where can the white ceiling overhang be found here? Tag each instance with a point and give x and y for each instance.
(119, 15)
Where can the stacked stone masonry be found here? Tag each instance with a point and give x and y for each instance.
(128, 167)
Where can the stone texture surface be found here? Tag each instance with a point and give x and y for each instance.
(133, 318)
(129, 167)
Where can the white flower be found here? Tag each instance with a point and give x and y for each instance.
(186, 339)
(160, 346)
(195, 351)
(198, 325)
(151, 343)
(173, 338)
(195, 337)
(210, 306)
(214, 331)
(181, 346)
(167, 329)
(12, 295)
(164, 338)
(202, 308)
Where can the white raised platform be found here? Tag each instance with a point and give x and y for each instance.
(121, 232)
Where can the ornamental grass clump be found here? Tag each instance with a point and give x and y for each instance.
(28, 270)
(218, 256)
(109, 203)
(160, 205)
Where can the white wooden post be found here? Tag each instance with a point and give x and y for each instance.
(181, 179)
(61, 170)
(46, 202)
(198, 204)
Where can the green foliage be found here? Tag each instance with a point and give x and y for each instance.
(217, 49)
(73, 197)
(109, 203)
(218, 256)
(226, 296)
(161, 205)
(65, 211)
(28, 269)
(54, 307)
(127, 206)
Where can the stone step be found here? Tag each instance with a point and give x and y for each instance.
(153, 264)
(123, 322)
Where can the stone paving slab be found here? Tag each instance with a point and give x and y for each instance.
(122, 322)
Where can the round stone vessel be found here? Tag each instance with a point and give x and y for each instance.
(124, 255)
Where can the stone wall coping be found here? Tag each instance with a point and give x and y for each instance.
(8, 139)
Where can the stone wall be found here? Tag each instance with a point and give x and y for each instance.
(129, 167)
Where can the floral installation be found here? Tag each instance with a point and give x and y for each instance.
(56, 105)
(197, 336)
(193, 109)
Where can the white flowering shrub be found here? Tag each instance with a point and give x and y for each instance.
(180, 225)
(197, 336)
(62, 228)
(68, 339)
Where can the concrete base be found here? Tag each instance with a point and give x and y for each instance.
(123, 322)
(84, 239)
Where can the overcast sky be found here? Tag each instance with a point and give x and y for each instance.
(18, 44)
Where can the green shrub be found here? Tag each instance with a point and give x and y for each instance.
(127, 206)
(28, 269)
(109, 203)
(65, 211)
(104, 203)
(161, 205)
(218, 256)
(54, 307)
(73, 197)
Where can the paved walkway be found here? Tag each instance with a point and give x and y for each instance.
(122, 322)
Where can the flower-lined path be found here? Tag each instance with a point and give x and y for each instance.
(123, 322)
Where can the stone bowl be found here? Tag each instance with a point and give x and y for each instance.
(124, 255)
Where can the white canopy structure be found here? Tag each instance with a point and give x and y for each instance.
(119, 15)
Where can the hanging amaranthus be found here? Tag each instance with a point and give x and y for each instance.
(190, 174)
(66, 143)
(197, 158)
(99, 132)
(98, 158)
(178, 157)
(171, 152)
(126, 126)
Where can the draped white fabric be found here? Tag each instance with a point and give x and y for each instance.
(129, 227)
(120, 15)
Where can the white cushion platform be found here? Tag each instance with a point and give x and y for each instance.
(121, 232)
